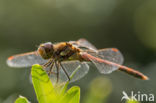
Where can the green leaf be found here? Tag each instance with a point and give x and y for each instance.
(72, 95)
(47, 93)
(132, 101)
(43, 86)
(21, 99)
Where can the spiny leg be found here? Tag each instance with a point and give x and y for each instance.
(51, 67)
(47, 64)
(57, 68)
(65, 71)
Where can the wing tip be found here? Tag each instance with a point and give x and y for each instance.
(10, 58)
(9, 63)
(115, 49)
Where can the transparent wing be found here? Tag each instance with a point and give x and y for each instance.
(70, 67)
(110, 54)
(83, 43)
(25, 60)
(105, 59)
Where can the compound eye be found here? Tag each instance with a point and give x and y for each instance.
(46, 50)
(48, 47)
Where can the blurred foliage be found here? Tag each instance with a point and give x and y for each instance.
(99, 90)
(145, 23)
(128, 25)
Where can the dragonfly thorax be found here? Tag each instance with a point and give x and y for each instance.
(46, 50)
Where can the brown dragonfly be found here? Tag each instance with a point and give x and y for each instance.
(63, 58)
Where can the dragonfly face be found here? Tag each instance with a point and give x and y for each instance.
(46, 50)
(64, 57)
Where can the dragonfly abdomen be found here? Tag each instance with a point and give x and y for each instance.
(125, 69)
(133, 72)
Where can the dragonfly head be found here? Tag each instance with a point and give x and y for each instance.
(46, 50)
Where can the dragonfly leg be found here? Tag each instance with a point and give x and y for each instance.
(47, 64)
(65, 71)
(51, 67)
(57, 68)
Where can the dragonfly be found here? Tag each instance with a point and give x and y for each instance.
(63, 58)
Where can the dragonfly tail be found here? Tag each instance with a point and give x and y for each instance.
(122, 68)
(133, 72)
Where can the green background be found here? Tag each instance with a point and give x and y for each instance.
(129, 25)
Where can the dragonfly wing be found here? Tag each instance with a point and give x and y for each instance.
(109, 57)
(83, 43)
(70, 67)
(111, 54)
(25, 60)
